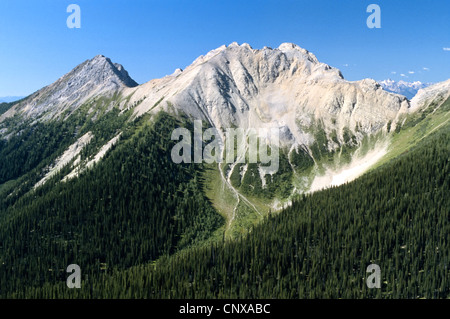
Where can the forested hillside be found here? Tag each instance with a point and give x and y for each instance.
(133, 207)
(125, 213)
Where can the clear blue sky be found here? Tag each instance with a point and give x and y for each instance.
(153, 38)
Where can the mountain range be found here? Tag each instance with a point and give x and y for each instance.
(408, 89)
(93, 149)
(9, 99)
(323, 119)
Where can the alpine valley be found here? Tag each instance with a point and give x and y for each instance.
(87, 178)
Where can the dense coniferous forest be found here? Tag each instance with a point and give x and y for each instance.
(32, 147)
(133, 207)
(126, 221)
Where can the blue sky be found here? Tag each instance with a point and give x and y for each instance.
(153, 38)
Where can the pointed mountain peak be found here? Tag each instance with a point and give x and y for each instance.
(103, 65)
(97, 76)
(99, 57)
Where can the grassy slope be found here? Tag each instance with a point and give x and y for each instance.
(401, 251)
(416, 127)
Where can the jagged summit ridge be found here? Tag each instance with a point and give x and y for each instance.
(235, 85)
(290, 51)
(287, 48)
(286, 87)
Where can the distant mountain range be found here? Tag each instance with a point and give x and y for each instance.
(8, 99)
(408, 89)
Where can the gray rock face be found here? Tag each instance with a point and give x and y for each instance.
(438, 93)
(98, 76)
(286, 87)
(235, 86)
